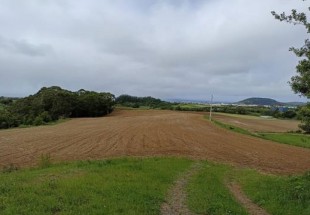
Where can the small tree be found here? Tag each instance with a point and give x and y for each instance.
(304, 113)
(300, 83)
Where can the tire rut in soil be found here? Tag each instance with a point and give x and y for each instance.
(175, 203)
(247, 203)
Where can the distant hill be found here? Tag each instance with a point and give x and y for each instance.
(260, 101)
(267, 101)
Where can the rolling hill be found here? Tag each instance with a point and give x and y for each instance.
(260, 101)
(267, 101)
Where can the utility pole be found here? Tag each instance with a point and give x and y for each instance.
(210, 117)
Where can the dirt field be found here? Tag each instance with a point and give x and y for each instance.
(258, 124)
(148, 133)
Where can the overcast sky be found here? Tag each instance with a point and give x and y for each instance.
(186, 49)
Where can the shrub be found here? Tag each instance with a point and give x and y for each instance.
(45, 161)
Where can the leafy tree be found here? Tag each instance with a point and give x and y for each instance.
(300, 83)
(305, 118)
(52, 103)
(135, 102)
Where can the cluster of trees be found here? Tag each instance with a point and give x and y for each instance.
(136, 102)
(4, 101)
(52, 103)
(244, 110)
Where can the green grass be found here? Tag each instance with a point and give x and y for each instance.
(302, 140)
(193, 105)
(120, 186)
(139, 186)
(232, 128)
(279, 195)
(243, 116)
(207, 193)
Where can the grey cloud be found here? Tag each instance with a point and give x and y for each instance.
(167, 49)
(24, 47)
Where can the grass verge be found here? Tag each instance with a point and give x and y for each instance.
(279, 195)
(120, 186)
(232, 128)
(301, 140)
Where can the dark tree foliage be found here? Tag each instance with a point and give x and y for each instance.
(300, 83)
(92, 104)
(135, 102)
(52, 103)
(6, 101)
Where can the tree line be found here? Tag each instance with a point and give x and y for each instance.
(136, 102)
(153, 103)
(53, 103)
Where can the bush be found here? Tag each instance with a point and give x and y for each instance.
(45, 161)
(38, 121)
(10, 168)
(304, 114)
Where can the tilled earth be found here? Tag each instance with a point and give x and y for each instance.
(257, 124)
(148, 133)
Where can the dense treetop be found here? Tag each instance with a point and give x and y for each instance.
(52, 103)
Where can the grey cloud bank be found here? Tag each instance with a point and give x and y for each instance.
(167, 49)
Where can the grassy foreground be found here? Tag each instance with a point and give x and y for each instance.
(121, 186)
(279, 195)
(139, 186)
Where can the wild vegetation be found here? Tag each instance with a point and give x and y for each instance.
(280, 195)
(300, 83)
(53, 103)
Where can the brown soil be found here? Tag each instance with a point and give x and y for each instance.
(252, 208)
(148, 133)
(259, 124)
(176, 199)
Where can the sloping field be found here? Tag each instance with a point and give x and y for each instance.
(148, 133)
(258, 124)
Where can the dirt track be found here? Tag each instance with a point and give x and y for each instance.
(148, 133)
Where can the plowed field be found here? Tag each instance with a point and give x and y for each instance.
(148, 133)
(258, 124)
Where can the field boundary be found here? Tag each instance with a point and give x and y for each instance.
(260, 135)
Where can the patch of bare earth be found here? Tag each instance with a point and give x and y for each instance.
(148, 133)
(175, 203)
(251, 207)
